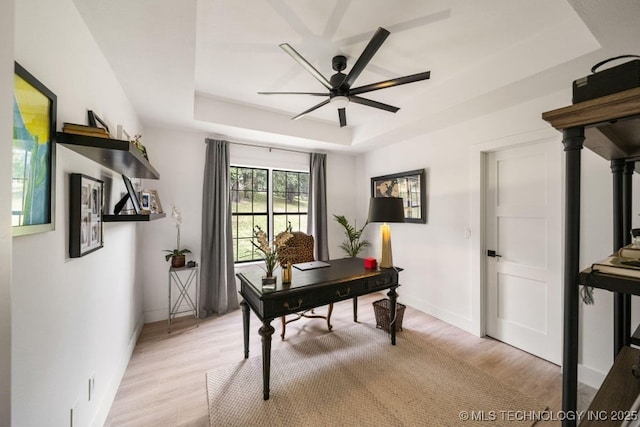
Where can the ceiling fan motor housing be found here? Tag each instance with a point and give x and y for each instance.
(339, 62)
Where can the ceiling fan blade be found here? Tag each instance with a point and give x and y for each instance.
(374, 44)
(294, 93)
(300, 60)
(342, 115)
(390, 83)
(315, 107)
(374, 104)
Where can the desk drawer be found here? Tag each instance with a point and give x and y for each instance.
(341, 292)
(292, 304)
(381, 282)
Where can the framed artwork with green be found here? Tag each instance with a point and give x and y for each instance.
(34, 160)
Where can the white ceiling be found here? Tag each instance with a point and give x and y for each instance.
(198, 64)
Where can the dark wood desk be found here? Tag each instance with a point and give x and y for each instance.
(344, 279)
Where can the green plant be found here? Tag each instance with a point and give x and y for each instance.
(353, 246)
(177, 218)
(175, 252)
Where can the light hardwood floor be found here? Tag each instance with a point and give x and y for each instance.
(164, 384)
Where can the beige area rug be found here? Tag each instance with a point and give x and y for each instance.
(355, 377)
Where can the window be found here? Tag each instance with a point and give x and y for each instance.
(254, 203)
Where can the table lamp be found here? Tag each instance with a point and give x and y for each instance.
(386, 209)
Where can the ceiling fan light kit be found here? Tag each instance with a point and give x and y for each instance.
(339, 86)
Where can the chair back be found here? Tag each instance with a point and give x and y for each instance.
(299, 248)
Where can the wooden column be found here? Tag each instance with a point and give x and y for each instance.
(573, 140)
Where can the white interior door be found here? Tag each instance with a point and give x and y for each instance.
(523, 202)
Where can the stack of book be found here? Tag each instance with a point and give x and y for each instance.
(85, 130)
(624, 263)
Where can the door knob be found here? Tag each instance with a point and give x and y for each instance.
(493, 254)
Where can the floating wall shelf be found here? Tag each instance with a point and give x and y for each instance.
(120, 156)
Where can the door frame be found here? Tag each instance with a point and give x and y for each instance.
(479, 151)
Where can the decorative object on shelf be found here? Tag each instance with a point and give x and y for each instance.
(270, 252)
(145, 202)
(34, 160)
(386, 209)
(94, 120)
(410, 186)
(85, 215)
(139, 146)
(177, 256)
(131, 195)
(122, 134)
(77, 129)
(354, 245)
(154, 201)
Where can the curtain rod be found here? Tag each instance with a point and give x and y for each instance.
(246, 144)
(249, 144)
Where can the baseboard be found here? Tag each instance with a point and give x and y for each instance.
(155, 315)
(590, 376)
(447, 316)
(104, 406)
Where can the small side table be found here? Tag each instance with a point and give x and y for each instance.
(183, 279)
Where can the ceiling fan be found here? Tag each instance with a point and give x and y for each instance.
(339, 86)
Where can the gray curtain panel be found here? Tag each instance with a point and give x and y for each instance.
(317, 214)
(218, 293)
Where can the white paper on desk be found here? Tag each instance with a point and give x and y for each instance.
(311, 265)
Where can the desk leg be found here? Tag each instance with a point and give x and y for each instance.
(245, 326)
(265, 332)
(355, 309)
(392, 312)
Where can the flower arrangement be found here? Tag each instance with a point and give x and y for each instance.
(271, 252)
(177, 252)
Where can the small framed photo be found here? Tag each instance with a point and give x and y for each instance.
(145, 201)
(155, 206)
(85, 215)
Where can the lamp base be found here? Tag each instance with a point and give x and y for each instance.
(387, 257)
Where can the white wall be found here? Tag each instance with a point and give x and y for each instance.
(179, 157)
(71, 318)
(6, 120)
(437, 277)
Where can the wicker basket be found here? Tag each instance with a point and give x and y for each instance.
(381, 309)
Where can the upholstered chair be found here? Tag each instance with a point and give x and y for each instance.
(299, 248)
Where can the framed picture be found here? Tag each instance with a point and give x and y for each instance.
(411, 186)
(145, 201)
(155, 206)
(96, 121)
(85, 215)
(34, 155)
(133, 196)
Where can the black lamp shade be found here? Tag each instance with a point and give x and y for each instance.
(386, 209)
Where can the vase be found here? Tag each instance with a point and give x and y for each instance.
(286, 273)
(178, 261)
(268, 282)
